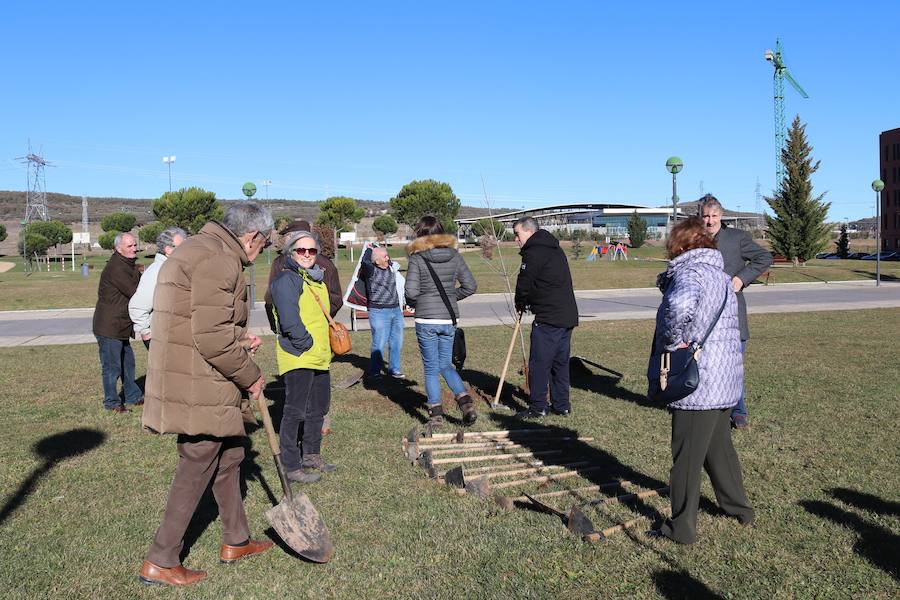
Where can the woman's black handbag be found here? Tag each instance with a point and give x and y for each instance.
(676, 375)
(459, 338)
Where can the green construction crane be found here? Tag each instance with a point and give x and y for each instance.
(781, 73)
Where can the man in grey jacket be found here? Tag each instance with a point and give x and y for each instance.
(745, 260)
(140, 306)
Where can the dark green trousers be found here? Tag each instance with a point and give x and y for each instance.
(701, 439)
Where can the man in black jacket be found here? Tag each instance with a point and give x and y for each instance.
(545, 287)
(745, 260)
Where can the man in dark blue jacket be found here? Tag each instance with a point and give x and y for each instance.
(545, 287)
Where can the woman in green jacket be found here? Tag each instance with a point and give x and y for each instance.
(304, 356)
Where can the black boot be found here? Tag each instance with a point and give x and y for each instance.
(435, 416)
(467, 406)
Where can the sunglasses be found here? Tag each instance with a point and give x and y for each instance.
(268, 242)
(307, 251)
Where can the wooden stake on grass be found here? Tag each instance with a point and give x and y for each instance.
(512, 344)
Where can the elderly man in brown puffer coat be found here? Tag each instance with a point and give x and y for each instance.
(200, 362)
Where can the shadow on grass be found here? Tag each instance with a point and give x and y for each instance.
(485, 386)
(611, 469)
(866, 501)
(52, 449)
(679, 585)
(876, 544)
(583, 378)
(871, 276)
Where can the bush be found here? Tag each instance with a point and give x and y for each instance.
(188, 208)
(385, 225)
(33, 243)
(149, 232)
(107, 240)
(2, 232)
(119, 221)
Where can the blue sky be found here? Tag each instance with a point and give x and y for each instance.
(544, 102)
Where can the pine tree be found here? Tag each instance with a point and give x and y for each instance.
(637, 230)
(798, 230)
(843, 243)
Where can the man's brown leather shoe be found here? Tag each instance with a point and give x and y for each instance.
(153, 575)
(231, 554)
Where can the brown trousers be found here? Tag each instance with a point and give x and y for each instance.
(200, 459)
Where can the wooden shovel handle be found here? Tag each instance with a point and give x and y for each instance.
(512, 344)
(267, 424)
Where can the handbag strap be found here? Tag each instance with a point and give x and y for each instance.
(324, 310)
(716, 320)
(708, 331)
(441, 290)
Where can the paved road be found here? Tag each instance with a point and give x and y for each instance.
(73, 326)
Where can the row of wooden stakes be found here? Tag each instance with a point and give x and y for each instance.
(487, 463)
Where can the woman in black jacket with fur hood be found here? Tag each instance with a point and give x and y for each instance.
(434, 326)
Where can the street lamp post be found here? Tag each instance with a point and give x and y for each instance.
(169, 160)
(249, 190)
(674, 165)
(877, 185)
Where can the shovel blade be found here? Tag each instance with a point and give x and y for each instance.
(300, 526)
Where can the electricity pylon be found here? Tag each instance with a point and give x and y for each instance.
(781, 73)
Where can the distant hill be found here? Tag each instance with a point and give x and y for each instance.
(67, 208)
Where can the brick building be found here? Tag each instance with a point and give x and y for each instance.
(889, 151)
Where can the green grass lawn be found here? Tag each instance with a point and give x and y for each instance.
(57, 289)
(820, 464)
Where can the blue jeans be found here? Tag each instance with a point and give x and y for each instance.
(741, 408)
(436, 346)
(387, 332)
(117, 361)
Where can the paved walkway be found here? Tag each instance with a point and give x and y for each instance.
(73, 325)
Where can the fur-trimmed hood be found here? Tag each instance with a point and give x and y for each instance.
(430, 242)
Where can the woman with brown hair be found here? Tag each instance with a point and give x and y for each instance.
(694, 287)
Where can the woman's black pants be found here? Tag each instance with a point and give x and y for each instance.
(306, 402)
(701, 439)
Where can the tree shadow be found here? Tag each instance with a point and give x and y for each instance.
(876, 544)
(680, 585)
(52, 449)
(871, 276)
(866, 501)
(583, 378)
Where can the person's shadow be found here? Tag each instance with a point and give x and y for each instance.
(52, 449)
(679, 585)
(875, 543)
(606, 384)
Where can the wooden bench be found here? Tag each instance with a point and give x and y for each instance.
(777, 259)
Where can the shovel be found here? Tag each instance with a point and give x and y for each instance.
(296, 520)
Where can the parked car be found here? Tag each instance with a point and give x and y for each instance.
(857, 255)
(821, 255)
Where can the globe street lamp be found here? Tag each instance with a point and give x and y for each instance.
(674, 165)
(169, 160)
(877, 185)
